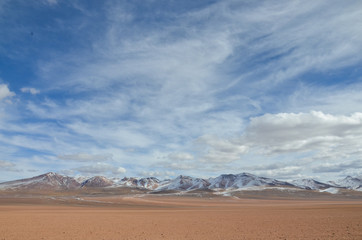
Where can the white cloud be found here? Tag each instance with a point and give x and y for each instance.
(100, 168)
(43, 143)
(176, 161)
(180, 156)
(271, 166)
(199, 75)
(158, 66)
(180, 165)
(336, 99)
(219, 150)
(286, 145)
(287, 172)
(94, 108)
(33, 91)
(195, 64)
(113, 133)
(338, 167)
(50, 2)
(290, 132)
(5, 164)
(5, 92)
(158, 174)
(86, 157)
(119, 170)
(8, 166)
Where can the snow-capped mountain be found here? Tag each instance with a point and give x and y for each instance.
(243, 180)
(97, 181)
(184, 183)
(349, 182)
(48, 181)
(310, 184)
(148, 183)
(81, 179)
(234, 182)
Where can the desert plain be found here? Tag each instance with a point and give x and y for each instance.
(177, 217)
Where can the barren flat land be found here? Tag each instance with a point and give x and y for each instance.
(164, 217)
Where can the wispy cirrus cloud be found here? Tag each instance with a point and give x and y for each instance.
(86, 157)
(51, 2)
(221, 85)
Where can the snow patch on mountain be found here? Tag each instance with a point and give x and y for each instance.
(147, 183)
(331, 190)
(243, 181)
(81, 179)
(310, 184)
(184, 183)
(349, 182)
(97, 181)
(48, 181)
(224, 183)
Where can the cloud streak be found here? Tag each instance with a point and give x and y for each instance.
(85, 157)
(8, 166)
(208, 86)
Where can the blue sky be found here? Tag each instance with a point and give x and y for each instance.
(160, 88)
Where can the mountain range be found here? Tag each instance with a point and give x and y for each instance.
(230, 182)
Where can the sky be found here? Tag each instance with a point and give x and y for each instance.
(162, 88)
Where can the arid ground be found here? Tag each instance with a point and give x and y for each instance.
(162, 217)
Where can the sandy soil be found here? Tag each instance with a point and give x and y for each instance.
(178, 218)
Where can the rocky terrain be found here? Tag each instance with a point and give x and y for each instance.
(225, 184)
(230, 206)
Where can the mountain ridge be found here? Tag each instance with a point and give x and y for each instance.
(241, 181)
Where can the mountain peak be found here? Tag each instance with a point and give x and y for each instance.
(185, 183)
(97, 181)
(309, 183)
(242, 180)
(47, 181)
(52, 174)
(148, 182)
(54, 181)
(350, 183)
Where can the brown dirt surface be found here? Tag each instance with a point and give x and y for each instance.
(162, 217)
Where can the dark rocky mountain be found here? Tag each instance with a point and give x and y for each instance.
(97, 181)
(148, 183)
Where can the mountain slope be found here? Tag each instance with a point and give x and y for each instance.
(48, 181)
(349, 182)
(97, 181)
(147, 183)
(233, 182)
(184, 183)
(243, 180)
(310, 184)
